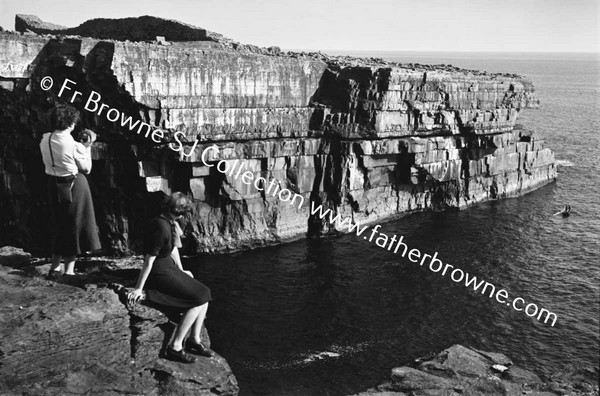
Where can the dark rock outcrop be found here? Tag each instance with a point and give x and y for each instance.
(463, 371)
(59, 339)
(144, 28)
(367, 138)
(33, 24)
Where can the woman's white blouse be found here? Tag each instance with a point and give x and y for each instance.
(70, 157)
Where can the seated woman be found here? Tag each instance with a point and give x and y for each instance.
(169, 285)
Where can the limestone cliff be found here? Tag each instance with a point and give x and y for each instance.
(368, 138)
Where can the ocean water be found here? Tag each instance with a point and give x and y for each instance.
(333, 316)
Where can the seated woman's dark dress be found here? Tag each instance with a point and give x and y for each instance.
(167, 285)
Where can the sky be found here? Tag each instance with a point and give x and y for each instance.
(370, 25)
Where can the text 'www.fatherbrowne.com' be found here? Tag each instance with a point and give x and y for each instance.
(395, 245)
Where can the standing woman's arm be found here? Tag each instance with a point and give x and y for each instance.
(83, 158)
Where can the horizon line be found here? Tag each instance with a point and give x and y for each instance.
(444, 51)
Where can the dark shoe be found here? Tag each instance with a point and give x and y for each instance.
(54, 275)
(72, 279)
(200, 349)
(179, 356)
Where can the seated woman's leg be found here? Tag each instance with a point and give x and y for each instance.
(186, 322)
(175, 350)
(197, 326)
(195, 344)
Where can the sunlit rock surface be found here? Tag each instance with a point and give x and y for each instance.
(77, 336)
(459, 370)
(367, 138)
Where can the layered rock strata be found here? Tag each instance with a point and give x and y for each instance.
(367, 138)
(80, 338)
(459, 370)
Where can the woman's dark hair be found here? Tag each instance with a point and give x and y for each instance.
(177, 204)
(63, 116)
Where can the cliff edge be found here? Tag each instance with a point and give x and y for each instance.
(80, 338)
(367, 138)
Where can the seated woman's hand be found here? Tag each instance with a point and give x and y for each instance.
(135, 295)
(189, 273)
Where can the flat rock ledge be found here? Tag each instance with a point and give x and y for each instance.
(463, 371)
(80, 338)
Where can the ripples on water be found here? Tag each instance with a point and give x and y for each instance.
(333, 316)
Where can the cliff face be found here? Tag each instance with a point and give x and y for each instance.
(367, 138)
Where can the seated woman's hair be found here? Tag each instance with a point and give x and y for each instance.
(177, 203)
(63, 116)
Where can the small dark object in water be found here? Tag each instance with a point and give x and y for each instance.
(565, 212)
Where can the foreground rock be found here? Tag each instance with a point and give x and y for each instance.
(59, 339)
(366, 138)
(463, 371)
(14, 257)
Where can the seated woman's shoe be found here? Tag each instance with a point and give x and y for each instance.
(179, 356)
(199, 349)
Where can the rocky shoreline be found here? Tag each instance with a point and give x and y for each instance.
(464, 371)
(79, 337)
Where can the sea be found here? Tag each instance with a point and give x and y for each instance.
(333, 316)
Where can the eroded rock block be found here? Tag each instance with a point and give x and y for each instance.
(14, 257)
(198, 187)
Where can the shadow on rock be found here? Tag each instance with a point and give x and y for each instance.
(59, 339)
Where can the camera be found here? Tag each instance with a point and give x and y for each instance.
(86, 137)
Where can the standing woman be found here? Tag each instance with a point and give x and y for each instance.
(72, 218)
(167, 284)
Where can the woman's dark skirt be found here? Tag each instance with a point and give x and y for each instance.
(167, 285)
(74, 228)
